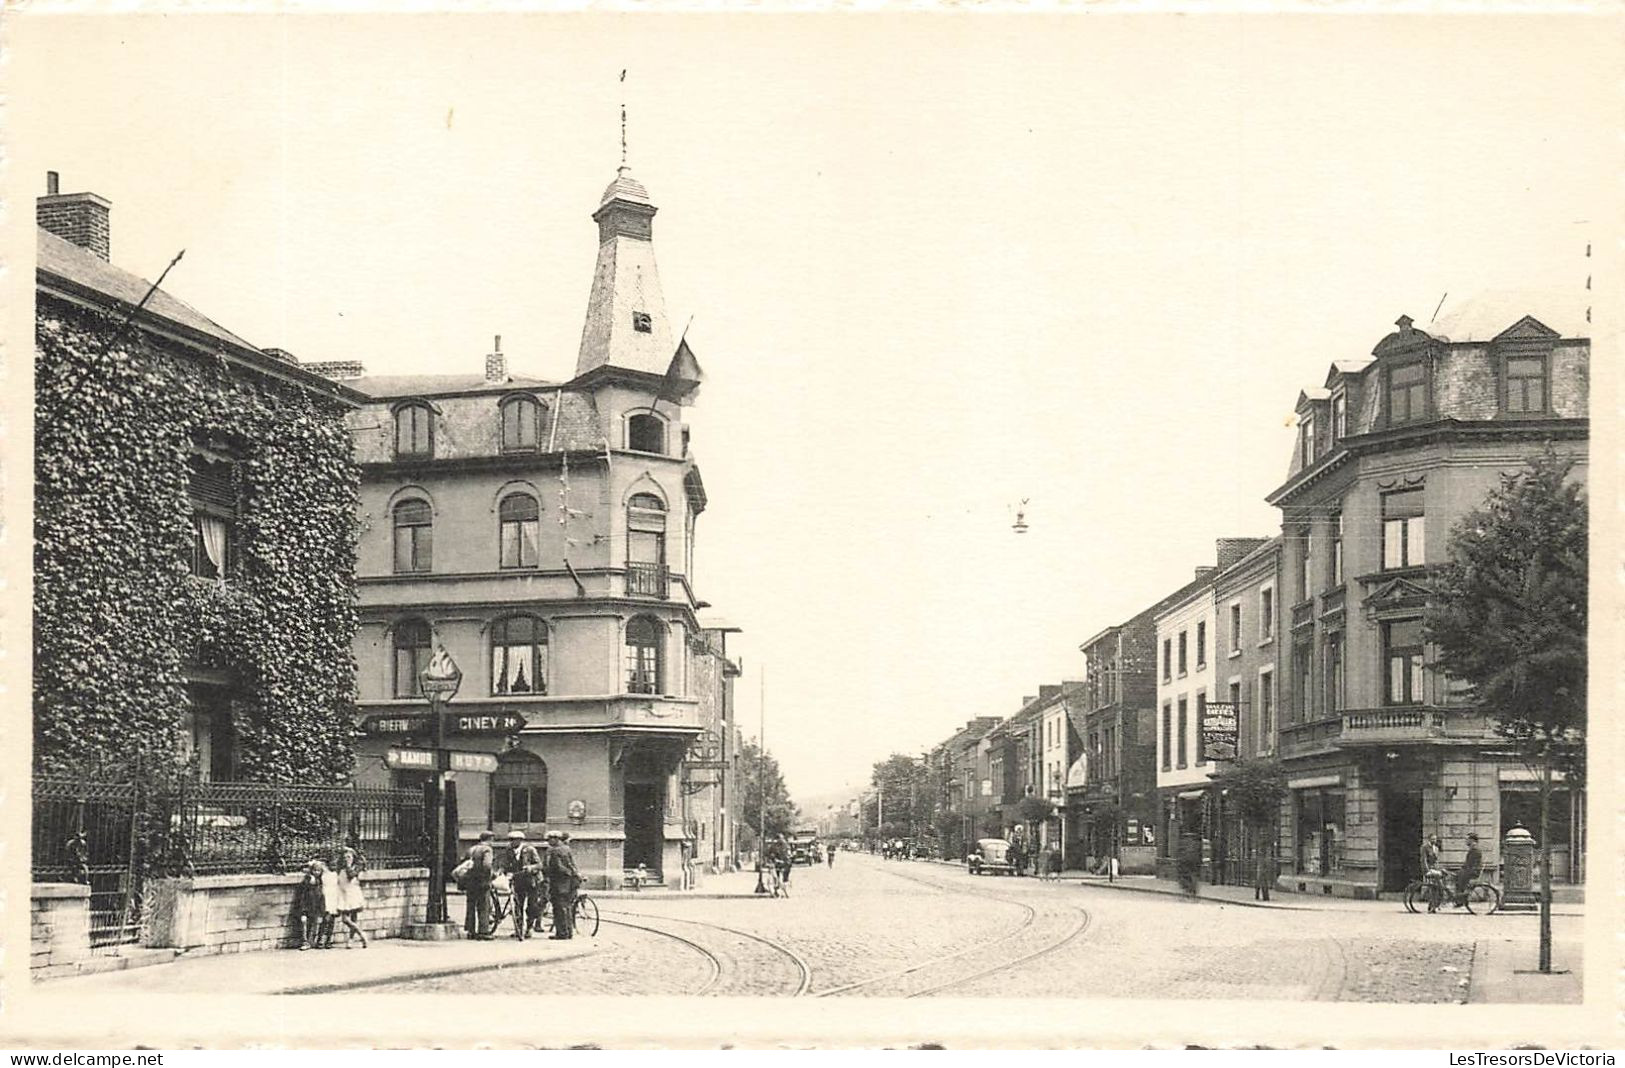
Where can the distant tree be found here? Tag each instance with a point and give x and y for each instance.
(902, 796)
(1256, 788)
(1509, 618)
(760, 779)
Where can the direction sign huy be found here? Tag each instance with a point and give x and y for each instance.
(486, 762)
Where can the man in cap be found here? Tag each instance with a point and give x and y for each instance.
(524, 867)
(563, 880)
(1471, 868)
(477, 887)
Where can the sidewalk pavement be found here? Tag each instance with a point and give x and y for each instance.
(321, 971)
(1505, 970)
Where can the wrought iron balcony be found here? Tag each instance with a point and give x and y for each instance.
(647, 580)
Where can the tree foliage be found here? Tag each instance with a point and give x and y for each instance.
(760, 778)
(1509, 609)
(903, 784)
(1256, 788)
(116, 608)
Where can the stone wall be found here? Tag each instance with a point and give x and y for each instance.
(58, 930)
(238, 913)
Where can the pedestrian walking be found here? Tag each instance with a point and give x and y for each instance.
(477, 888)
(1263, 876)
(1189, 864)
(348, 866)
(563, 880)
(1055, 864)
(523, 866)
(309, 905)
(829, 856)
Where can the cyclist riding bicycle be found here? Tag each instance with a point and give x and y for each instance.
(1432, 872)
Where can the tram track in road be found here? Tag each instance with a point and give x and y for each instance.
(730, 975)
(1029, 920)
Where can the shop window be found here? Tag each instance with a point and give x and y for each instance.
(412, 641)
(1321, 827)
(519, 656)
(414, 536)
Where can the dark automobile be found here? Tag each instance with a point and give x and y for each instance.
(990, 856)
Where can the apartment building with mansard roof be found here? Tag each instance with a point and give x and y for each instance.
(543, 533)
(1382, 749)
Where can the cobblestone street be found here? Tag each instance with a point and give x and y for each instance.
(874, 928)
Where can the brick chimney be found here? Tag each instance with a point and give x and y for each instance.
(338, 370)
(78, 217)
(1231, 550)
(496, 364)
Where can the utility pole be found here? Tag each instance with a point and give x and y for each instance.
(761, 778)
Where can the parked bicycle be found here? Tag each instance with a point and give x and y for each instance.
(586, 910)
(1480, 897)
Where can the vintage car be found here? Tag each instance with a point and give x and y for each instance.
(991, 856)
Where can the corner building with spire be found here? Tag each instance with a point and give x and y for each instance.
(543, 533)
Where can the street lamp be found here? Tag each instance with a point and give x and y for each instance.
(439, 682)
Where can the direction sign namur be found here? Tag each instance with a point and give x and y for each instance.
(423, 760)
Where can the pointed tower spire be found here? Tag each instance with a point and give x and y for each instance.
(626, 324)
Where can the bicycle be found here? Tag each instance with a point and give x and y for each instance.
(586, 910)
(1479, 897)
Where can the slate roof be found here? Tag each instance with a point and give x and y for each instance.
(1485, 315)
(383, 387)
(69, 262)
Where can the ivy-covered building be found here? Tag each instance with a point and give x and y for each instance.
(542, 532)
(194, 532)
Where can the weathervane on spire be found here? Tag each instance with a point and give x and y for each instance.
(623, 121)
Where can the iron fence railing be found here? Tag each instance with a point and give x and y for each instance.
(647, 580)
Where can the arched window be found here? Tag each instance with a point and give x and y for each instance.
(519, 519)
(643, 655)
(519, 656)
(645, 433)
(645, 545)
(519, 789)
(412, 641)
(521, 424)
(414, 536)
(414, 431)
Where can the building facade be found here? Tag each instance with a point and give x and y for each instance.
(1246, 679)
(1382, 749)
(193, 537)
(542, 533)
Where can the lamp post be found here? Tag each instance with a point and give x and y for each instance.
(761, 780)
(439, 682)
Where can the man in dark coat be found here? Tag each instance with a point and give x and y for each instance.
(477, 887)
(1471, 868)
(563, 880)
(523, 864)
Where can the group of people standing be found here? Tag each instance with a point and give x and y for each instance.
(1433, 872)
(328, 896)
(536, 872)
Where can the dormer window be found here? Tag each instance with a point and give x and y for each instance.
(414, 431)
(642, 323)
(1340, 416)
(1306, 433)
(1407, 392)
(1525, 384)
(521, 424)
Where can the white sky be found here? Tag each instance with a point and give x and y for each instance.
(936, 265)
